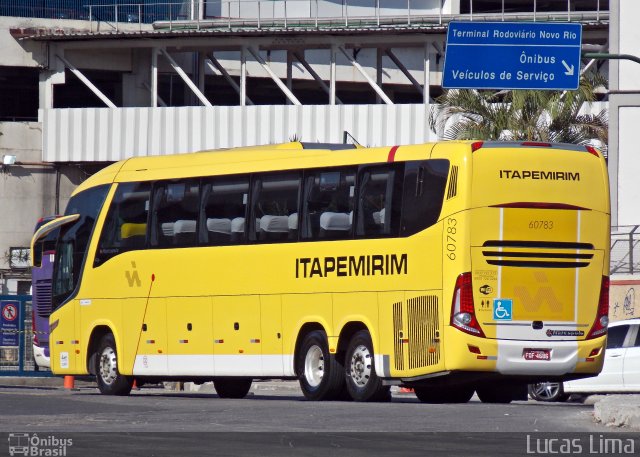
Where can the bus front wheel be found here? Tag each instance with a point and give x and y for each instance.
(110, 381)
(363, 383)
(320, 373)
(232, 387)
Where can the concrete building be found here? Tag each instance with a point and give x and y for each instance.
(78, 94)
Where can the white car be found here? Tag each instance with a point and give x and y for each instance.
(620, 372)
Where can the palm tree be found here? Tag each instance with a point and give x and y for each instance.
(529, 115)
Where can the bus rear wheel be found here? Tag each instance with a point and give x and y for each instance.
(363, 383)
(320, 373)
(109, 379)
(494, 393)
(232, 387)
(436, 395)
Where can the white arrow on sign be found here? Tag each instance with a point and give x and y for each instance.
(569, 71)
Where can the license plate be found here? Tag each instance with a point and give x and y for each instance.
(537, 354)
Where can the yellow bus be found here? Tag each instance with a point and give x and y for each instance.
(450, 268)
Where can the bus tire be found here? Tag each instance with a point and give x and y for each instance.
(439, 395)
(363, 383)
(494, 394)
(232, 387)
(109, 379)
(320, 373)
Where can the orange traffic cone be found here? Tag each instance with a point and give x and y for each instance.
(69, 382)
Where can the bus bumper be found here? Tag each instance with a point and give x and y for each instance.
(512, 357)
(41, 356)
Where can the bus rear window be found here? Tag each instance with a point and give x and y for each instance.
(424, 187)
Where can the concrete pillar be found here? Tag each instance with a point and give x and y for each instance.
(290, 73)
(154, 77)
(134, 84)
(47, 81)
(332, 77)
(426, 95)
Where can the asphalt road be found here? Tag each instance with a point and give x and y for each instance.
(275, 419)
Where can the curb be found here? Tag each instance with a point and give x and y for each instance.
(42, 382)
(618, 411)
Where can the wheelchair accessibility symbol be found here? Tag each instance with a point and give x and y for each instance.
(502, 309)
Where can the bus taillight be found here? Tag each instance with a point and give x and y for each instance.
(601, 322)
(463, 313)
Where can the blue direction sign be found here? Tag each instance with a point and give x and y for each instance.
(512, 55)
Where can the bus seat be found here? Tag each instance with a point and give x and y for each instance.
(237, 229)
(133, 235)
(130, 229)
(237, 225)
(219, 225)
(378, 217)
(334, 224)
(293, 221)
(335, 221)
(293, 226)
(274, 227)
(274, 224)
(167, 228)
(219, 230)
(184, 231)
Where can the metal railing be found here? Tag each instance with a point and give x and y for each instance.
(287, 13)
(305, 13)
(77, 9)
(16, 340)
(625, 249)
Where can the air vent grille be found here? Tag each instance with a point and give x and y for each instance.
(453, 183)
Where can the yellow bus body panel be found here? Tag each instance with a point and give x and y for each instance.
(239, 310)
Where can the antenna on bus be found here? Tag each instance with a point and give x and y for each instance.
(348, 138)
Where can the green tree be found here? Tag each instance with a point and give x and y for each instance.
(521, 115)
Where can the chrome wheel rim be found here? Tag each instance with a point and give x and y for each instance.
(108, 366)
(546, 390)
(314, 366)
(360, 366)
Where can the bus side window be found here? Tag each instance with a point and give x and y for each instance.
(174, 219)
(424, 188)
(328, 204)
(224, 203)
(379, 201)
(125, 227)
(38, 248)
(274, 212)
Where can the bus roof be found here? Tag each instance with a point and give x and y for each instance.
(246, 160)
(290, 155)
